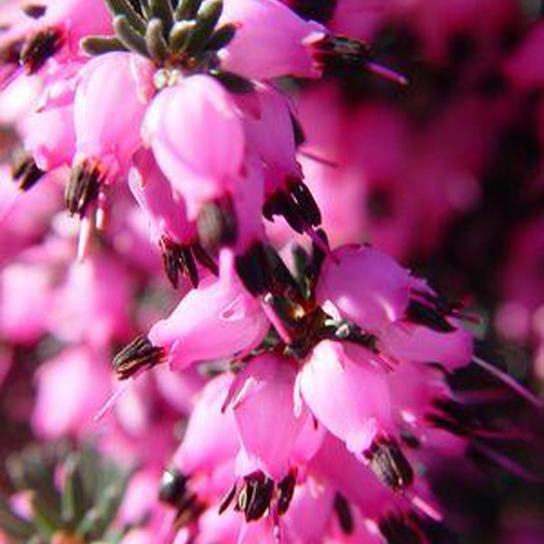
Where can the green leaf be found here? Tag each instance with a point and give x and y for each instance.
(206, 21)
(125, 8)
(221, 37)
(163, 10)
(75, 501)
(154, 39)
(98, 45)
(129, 37)
(187, 9)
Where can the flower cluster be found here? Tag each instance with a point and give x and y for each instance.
(302, 389)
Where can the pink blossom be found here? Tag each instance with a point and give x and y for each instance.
(366, 286)
(24, 311)
(50, 137)
(330, 384)
(265, 416)
(164, 208)
(176, 128)
(219, 319)
(93, 304)
(106, 133)
(261, 50)
(268, 127)
(84, 382)
(210, 438)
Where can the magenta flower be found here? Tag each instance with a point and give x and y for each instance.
(264, 51)
(175, 127)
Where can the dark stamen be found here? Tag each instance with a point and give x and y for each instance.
(11, 52)
(286, 490)
(35, 11)
(321, 11)
(217, 224)
(138, 355)
(252, 269)
(338, 53)
(255, 496)
(204, 258)
(388, 462)
(306, 202)
(189, 511)
(401, 529)
(178, 259)
(25, 171)
(170, 260)
(428, 316)
(41, 47)
(173, 487)
(82, 189)
(343, 511)
(281, 203)
(227, 499)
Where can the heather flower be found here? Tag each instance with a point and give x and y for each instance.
(106, 137)
(261, 50)
(49, 137)
(330, 384)
(56, 32)
(24, 312)
(93, 303)
(200, 172)
(85, 383)
(216, 320)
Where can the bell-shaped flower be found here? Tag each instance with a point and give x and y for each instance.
(366, 286)
(420, 344)
(104, 131)
(210, 437)
(268, 126)
(77, 19)
(309, 514)
(93, 304)
(49, 136)
(26, 296)
(271, 40)
(219, 319)
(265, 417)
(350, 398)
(71, 389)
(197, 138)
(57, 33)
(164, 209)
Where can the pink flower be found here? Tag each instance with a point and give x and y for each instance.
(419, 344)
(26, 298)
(72, 387)
(265, 418)
(105, 133)
(268, 125)
(49, 136)
(93, 305)
(164, 208)
(59, 31)
(197, 138)
(210, 438)
(219, 319)
(366, 286)
(271, 40)
(331, 384)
